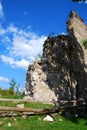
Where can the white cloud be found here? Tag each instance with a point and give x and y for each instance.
(15, 63)
(20, 44)
(1, 11)
(3, 79)
(6, 39)
(24, 43)
(27, 47)
(21, 64)
(11, 28)
(7, 59)
(2, 30)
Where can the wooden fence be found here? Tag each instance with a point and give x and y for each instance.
(14, 111)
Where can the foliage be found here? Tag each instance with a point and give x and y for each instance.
(12, 91)
(37, 123)
(8, 93)
(76, 14)
(12, 86)
(85, 44)
(79, 0)
(18, 91)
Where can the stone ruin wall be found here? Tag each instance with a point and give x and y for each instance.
(36, 86)
(61, 74)
(77, 29)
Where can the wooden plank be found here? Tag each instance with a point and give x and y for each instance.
(54, 109)
(15, 109)
(23, 100)
(31, 110)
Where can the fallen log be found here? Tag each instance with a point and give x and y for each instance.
(29, 110)
(14, 111)
(39, 111)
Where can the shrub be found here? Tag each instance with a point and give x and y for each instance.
(85, 43)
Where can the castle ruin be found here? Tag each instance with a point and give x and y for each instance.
(61, 74)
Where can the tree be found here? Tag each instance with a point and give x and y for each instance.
(12, 83)
(79, 0)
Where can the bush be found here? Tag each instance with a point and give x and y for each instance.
(85, 43)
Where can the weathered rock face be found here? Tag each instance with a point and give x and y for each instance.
(62, 72)
(76, 27)
(36, 84)
(77, 30)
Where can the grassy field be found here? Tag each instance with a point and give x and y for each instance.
(26, 104)
(35, 122)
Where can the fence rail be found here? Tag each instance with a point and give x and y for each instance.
(14, 111)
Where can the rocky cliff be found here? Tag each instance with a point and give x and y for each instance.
(61, 74)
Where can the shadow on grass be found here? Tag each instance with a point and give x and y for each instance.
(74, 115)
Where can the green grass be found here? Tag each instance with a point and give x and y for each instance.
(37, 123)
(12, 96)
(26, 104)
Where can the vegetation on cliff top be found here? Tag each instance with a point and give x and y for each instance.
(79, 0)
(85, 43)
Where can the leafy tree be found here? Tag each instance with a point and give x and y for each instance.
(12, 84)
(18, 90)
(79, 0)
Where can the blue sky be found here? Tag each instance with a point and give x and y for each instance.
(24, 25)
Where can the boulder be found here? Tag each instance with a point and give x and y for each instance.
(48, 118)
